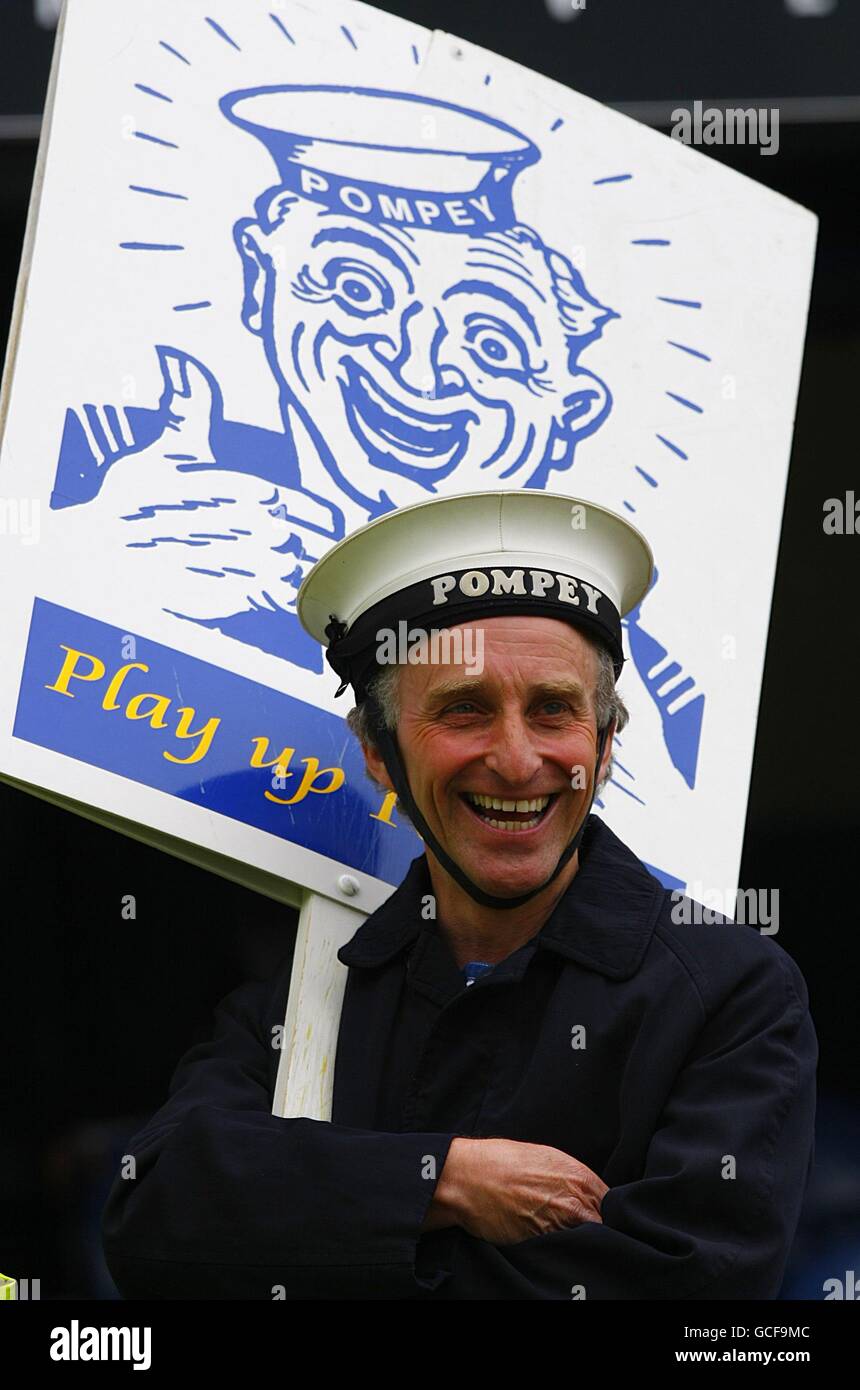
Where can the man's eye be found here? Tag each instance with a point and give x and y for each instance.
(494, 345)
(357, 288)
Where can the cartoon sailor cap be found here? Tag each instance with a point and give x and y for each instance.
(474, 555)
(387, 156)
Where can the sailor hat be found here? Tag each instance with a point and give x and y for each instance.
(387, 156)
(466, 556)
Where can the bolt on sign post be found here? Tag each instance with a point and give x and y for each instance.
(287, 269)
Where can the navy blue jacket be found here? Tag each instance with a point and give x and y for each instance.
(693, 1097)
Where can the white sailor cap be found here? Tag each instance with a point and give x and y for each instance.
(387, 156)
(473, 555)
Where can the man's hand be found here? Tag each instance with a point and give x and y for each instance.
(504, 1191)
(205, 541)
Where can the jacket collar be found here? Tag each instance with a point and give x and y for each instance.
(604, 921)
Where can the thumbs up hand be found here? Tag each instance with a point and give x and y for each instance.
(206, 540)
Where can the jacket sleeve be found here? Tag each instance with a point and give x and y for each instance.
(715, 1210)
(226, 1200)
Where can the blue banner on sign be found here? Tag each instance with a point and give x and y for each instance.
(156, 716)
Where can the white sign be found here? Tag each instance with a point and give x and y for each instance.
(294, 266)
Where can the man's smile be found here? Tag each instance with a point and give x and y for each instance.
(391, 429)
(510, 816)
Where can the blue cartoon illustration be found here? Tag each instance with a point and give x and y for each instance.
(422, 338)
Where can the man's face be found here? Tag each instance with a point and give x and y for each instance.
(518, 731)
(424, 353)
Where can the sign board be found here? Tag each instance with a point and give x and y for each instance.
(291, 266)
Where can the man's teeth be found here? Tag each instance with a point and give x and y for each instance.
(495, 803)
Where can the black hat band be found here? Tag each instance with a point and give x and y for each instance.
(460, 596)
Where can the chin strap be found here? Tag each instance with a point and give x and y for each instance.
(386, 740)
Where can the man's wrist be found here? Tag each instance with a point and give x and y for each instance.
(450, 1202)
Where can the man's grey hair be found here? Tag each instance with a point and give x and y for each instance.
(384, 686)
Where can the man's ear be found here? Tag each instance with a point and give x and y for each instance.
(585, 406)
(607, 754)
(256, 267)
(376, 768)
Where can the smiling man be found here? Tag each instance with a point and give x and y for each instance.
(417, 327)
(525, 726)
(407, 362)
(420, 336)
(544, 1086)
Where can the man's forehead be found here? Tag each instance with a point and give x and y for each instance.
(500, 252)
(530, 651)
(511, 631)
(398, 238)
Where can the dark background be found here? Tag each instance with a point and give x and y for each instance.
(97, 1010)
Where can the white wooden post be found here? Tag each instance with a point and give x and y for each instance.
(306, 1069)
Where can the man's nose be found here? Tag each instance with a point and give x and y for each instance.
(512, 757)
(419, 363)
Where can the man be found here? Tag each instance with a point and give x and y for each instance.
(545, 1087)
(420, 335)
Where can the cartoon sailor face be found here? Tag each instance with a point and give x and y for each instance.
(418, 332)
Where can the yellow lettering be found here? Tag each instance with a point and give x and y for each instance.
(155, 715)
(184, 730)
(386, 809)
(281, 763)
(69, 673)
(109, 701)
(312, 771)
